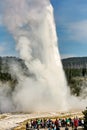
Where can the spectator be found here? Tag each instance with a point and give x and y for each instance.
(27, 126)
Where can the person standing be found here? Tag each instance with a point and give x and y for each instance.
(27, 126)
(76, 123)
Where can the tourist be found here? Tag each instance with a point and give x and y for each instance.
(56, 123)
(67, 122)
(63, 123)
(27, 126)
(82, 122)
(59, 122)
(76, 122)
(72, 123)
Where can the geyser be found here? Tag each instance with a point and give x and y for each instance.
(37, 45)
(31, 23)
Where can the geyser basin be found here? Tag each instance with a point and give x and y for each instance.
(31, 23)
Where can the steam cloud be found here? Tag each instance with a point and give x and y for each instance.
(31, 23)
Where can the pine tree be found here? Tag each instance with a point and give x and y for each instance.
(85, 119)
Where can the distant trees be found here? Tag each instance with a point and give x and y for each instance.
(76, 62)
(72, 72)
(5, 76)
(76, 71)
(75, 77)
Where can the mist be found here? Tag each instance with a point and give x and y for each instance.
(33, 28)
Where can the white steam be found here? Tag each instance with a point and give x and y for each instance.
(31, 23)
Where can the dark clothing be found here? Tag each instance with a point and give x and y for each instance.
(27, 126)
(58, 128)
(66, 128)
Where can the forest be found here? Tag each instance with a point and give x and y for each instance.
(76, 73)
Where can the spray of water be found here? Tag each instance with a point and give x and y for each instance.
(31, 23)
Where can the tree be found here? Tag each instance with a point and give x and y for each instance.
(85, 119)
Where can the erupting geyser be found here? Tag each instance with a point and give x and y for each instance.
(31, 23)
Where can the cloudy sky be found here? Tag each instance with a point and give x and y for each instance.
(71, 26)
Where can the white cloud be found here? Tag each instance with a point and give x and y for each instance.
(78, 31)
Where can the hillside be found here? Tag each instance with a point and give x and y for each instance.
(76, 74)
(75, 62)
(75, 70)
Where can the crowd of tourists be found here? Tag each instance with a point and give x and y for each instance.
(57, 124)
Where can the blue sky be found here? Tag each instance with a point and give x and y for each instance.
(71, 25)
(7, 44)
